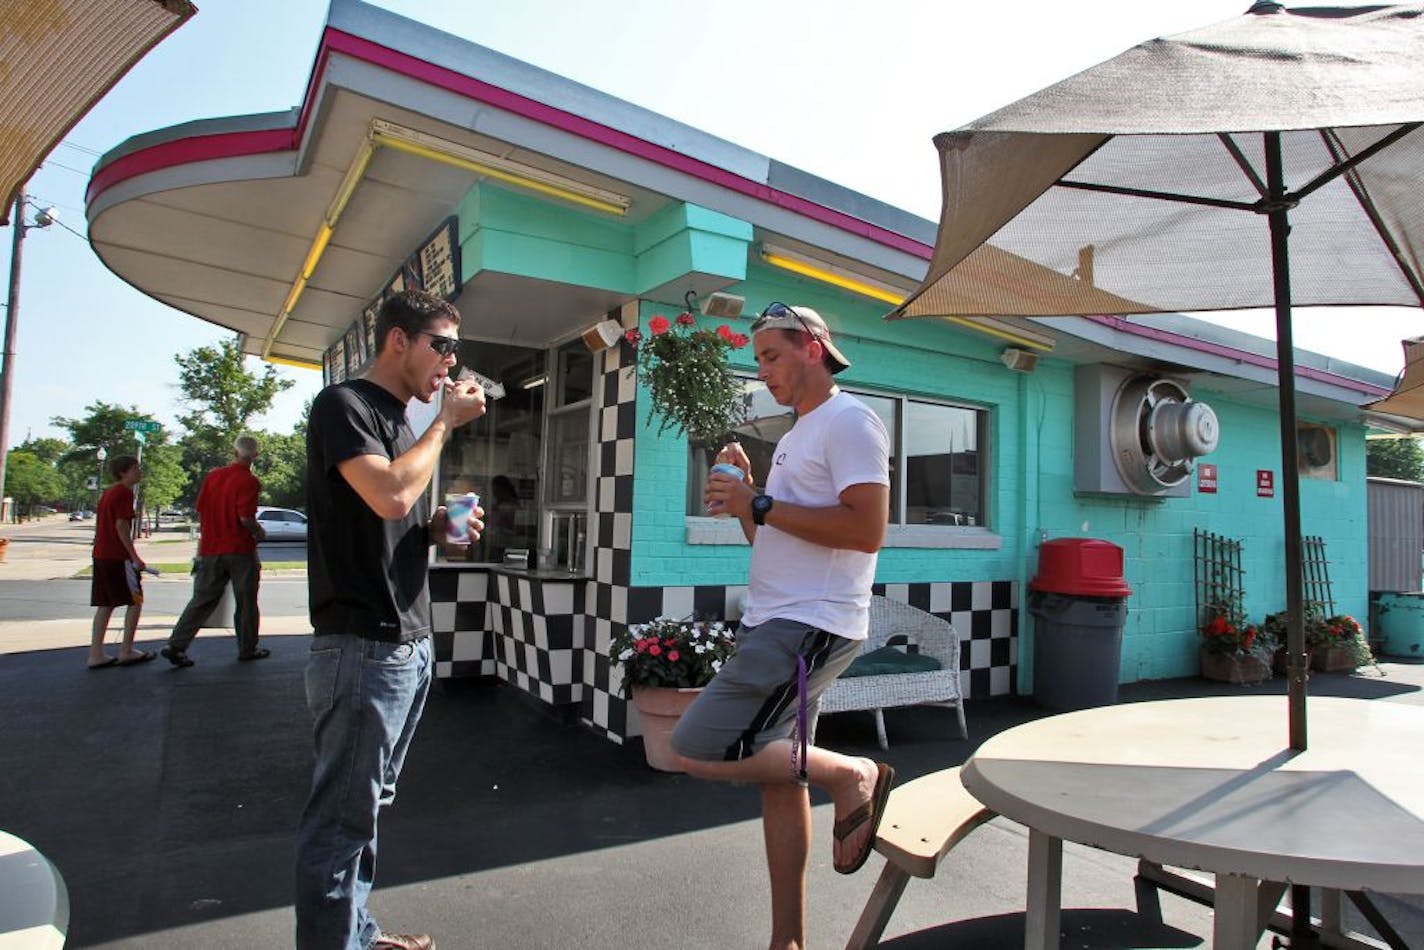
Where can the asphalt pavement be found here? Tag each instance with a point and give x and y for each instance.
(168, 800)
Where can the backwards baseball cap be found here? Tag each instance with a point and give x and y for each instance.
(778, 316)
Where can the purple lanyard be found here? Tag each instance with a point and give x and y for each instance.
(800, 741)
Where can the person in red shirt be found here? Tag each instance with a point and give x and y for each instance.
(227, 551)
(117, 567)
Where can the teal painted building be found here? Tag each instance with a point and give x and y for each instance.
(557, 218)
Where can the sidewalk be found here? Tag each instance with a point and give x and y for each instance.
(168, 800)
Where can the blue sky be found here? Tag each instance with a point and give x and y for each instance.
(850, 92)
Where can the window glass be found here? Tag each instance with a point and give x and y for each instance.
(574, 374)
(941, 450)
(497, 455)
(568, 457)
(936, 469)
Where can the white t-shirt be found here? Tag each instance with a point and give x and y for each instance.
(838, 444)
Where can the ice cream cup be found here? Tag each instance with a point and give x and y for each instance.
(458, 509)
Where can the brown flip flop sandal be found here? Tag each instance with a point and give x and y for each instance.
(871, 811)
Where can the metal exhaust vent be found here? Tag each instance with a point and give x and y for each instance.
(1137, 434)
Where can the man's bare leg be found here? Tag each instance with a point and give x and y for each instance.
(786, 828)
(850, 782)
(126, 650)
(96, 636)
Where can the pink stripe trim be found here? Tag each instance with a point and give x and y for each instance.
(471, 88)
(1241, 356)
(239, 143)
(200, 148)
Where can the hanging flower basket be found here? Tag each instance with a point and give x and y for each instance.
(689, 379)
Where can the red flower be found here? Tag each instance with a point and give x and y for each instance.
(725, 332)
(658, 325)
(655, 650)
(739, 340)
(685, 319)
(1218, 626)
(1248, 638)
(674, 656)
(633, 336)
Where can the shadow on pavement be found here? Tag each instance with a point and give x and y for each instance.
(168, 800)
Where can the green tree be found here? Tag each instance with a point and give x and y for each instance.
(30, 480)
(282, 467)
(46, 449)
(1395, 458)
(106, 427)
(163, 479)
(223, 396)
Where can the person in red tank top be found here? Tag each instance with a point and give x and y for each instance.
(116, 567)
(227, 552)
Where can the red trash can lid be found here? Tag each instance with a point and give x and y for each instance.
(1088, 567)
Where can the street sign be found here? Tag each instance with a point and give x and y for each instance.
(141, 425)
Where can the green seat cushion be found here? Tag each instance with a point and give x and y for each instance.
(890, 660)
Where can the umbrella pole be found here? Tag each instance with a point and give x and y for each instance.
(1278, 210)
(1302, 934)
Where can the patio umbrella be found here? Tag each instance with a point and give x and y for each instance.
(1271, 158)
(57, 59)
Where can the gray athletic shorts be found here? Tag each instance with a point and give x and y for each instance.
(753, 699)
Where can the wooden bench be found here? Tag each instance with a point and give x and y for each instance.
(924, 819)
(34, 903)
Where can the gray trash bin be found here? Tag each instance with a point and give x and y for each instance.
(1077, 649)
(1078, 602)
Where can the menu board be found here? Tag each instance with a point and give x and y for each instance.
(368, 324)
(434, 267)
(338, 360)
(437, 264)
(355, 356)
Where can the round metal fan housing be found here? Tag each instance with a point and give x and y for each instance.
(1157, 432)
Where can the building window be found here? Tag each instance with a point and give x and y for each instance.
(938, 474)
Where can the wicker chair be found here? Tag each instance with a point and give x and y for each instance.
(893, 623)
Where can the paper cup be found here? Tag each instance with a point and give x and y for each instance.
(726, 468)
(458, 509)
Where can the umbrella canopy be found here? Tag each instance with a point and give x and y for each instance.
(1271, 158)
(57, 58)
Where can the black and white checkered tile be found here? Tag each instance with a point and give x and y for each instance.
(557, 648)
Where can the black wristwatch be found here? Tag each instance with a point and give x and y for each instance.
(761, 504)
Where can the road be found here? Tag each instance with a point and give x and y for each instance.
(45, 603)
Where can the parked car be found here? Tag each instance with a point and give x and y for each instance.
(283, 524)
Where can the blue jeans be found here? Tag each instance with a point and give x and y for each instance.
(365, 698)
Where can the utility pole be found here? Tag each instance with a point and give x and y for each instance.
(12, 319)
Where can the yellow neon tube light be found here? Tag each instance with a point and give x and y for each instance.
(1001, 331)
(293, 361)
(829, 277)
(318, 248)
(561, 192)
(778, 258)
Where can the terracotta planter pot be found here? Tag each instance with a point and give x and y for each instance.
(1333, 660)
(659, 709)
(1233, 668)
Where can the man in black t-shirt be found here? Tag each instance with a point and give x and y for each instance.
(368, 540)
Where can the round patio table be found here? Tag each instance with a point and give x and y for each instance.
(1212, 784)
(34, 904)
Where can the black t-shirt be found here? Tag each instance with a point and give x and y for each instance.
(366, 575)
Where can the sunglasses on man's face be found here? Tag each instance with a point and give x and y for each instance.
(777, 310)
(444, 345)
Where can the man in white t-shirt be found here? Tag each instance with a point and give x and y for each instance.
(815, 530)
